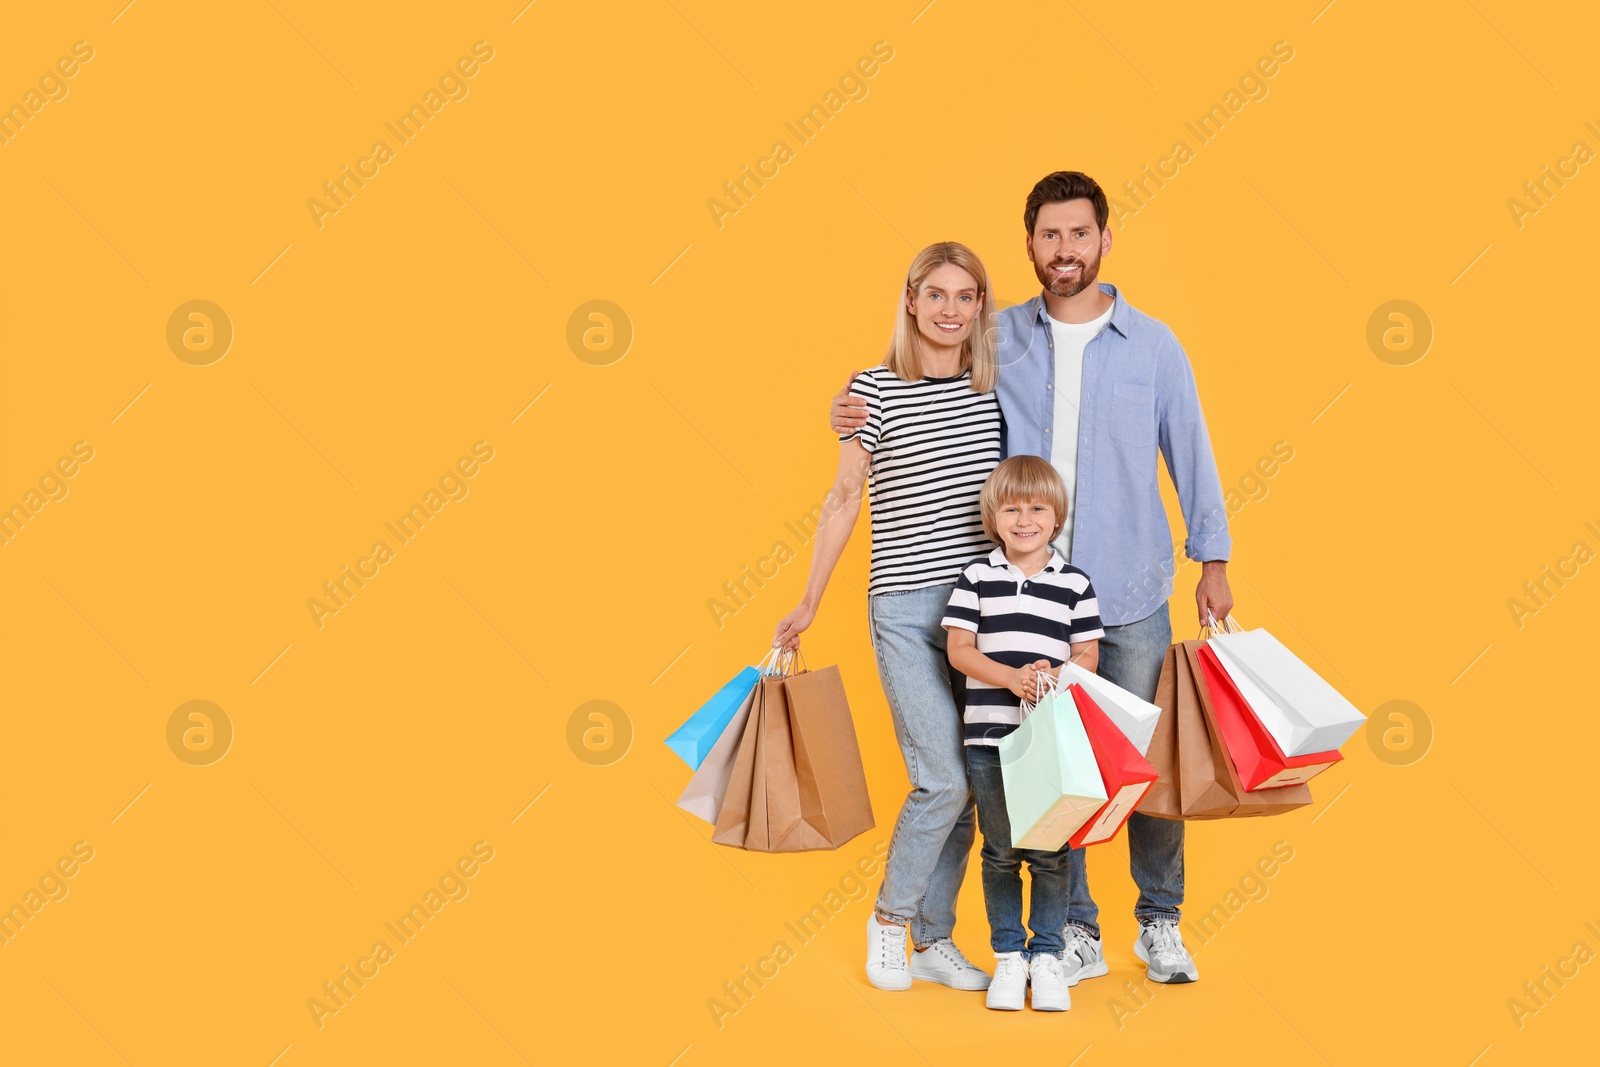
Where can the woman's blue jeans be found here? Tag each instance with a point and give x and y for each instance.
(933, 837)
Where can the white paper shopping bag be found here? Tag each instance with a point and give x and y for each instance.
(1266, 707)
(1302, 711)
(1134, 717)
(703, 795)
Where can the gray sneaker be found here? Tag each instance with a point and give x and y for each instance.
(942, 962)
(1081, 957)
(1160, 946)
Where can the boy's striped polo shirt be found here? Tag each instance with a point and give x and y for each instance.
(1018, 620)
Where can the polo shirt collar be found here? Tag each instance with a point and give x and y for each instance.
(997, 558)
(1120, 312)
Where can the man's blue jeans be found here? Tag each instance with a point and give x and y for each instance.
(1131, 656)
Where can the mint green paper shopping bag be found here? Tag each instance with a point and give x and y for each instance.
(1052, 782)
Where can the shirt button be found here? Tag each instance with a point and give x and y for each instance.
(1047, 429)
(1047, 385)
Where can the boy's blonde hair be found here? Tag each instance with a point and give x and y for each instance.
(1022, 478)
(979, 353)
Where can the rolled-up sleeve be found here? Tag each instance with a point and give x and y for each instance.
(1186, 446)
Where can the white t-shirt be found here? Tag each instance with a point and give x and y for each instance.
(1070, 340)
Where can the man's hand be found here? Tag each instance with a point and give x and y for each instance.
(1212, 595)
(849, 413)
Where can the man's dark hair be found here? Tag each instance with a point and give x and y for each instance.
(1066, 185)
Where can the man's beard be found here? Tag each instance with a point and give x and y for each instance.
(1086, 277)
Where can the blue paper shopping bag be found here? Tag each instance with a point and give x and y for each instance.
(694, 739)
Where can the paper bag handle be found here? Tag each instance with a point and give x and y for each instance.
(1213, 628)
(780, 661)
(1047, 685)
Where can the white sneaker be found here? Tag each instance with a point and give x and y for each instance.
(942, 962)
(1161, 948)
(1049, 983)
(1009, 988)
(886, 955)
(1082, 957)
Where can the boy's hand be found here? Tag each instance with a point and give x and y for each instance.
(1025, 680)
(849, 413)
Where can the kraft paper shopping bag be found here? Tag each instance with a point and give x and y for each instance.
(1207, 787)
(774, 792)
(834, 806)
(733, 818)
(797, 781)
(1163, 798)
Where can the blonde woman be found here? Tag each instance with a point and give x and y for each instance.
(932, 435)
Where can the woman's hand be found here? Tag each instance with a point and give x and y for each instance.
(791, 626)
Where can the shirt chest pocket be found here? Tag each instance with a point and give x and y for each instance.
(1133, 414)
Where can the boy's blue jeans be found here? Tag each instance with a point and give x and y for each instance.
(1002, 869)
(1131, 657)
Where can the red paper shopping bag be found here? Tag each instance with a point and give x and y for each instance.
(1128, 776)
(1256, 756)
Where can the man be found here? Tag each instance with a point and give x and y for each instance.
(1099, 388)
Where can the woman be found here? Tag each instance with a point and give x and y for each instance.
(932, 435)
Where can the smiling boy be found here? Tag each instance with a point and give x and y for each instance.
(1014, 614)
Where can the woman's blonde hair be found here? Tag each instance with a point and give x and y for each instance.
(978, 351)
(1022, 478)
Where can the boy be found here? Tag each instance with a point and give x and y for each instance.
(1018, 611)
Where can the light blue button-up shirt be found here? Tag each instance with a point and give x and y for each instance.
(1138, 396)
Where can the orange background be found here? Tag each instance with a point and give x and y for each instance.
(444, 703)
